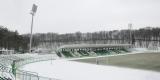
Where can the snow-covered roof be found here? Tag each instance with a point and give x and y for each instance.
(94, 45)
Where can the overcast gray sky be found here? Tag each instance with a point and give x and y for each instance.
(65, 16)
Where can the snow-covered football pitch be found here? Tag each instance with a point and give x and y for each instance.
(140, 66)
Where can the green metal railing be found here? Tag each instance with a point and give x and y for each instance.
(17, 62)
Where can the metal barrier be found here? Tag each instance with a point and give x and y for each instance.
(21, 74)
(39, 58)
(5, 69)
(27, 75)
(6, 73)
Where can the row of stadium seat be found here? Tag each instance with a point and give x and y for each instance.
(67, 54)
(4, 78)
(82, 53)
(102, 52)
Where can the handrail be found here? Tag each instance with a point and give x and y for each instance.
(21, 62)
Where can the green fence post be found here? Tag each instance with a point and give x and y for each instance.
(14, 68)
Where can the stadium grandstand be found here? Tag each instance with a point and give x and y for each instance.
(82, 50)
(11, 65)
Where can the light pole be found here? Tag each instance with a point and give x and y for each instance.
(130, 33)
(97, 62)
(33, 11)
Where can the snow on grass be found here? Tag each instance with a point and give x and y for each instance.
(70, 70)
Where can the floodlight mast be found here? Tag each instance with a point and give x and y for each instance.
(33, 11)
(130, 33)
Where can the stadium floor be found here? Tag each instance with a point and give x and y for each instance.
(146, 61)
(72, 70)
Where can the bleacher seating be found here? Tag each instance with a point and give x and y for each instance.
(67, 54)
(102, 52)
(59, 54)
(116, 51)
(4, 78)
(83, 53)
(6, 63)
(125, 50)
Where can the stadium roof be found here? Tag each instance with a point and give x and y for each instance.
(94, 46)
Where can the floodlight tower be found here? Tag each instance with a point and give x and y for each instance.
(33, 11)
(130, 32)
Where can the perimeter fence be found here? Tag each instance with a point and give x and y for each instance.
(9, 69)
(27, 75)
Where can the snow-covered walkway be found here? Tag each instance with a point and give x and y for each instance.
(71, 70)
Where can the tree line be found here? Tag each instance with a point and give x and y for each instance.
(147, 35)
(11, 40)
(140, 37)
